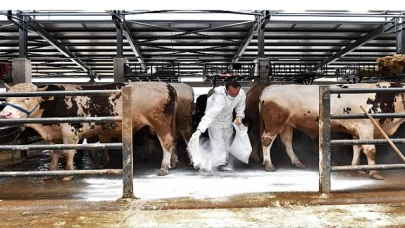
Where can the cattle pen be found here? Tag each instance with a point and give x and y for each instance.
(325, 141)
(75, 158)
(126, 145)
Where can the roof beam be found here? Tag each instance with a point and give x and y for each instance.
(358, 43)
(58, 45)
(121, 24)
(259, 23)
(29, 22)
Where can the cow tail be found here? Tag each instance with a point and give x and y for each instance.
(171, 107)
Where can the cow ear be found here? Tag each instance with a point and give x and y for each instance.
(42, 88)
(7, 86)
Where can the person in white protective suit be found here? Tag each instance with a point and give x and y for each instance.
(218, 120)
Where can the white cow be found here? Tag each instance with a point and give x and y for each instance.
(284, 107)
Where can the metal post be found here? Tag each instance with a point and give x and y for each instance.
(127, 150)
(23, 38)
(120, 42)
(400, 42)
(261, 43)
(324, 140)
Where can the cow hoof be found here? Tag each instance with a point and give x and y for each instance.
(299, 165)
(47, 178)
(69, 178)
(190, 163)
(173, 166)
(255, 159)
(376, 175)
(163, 172)
(269, 168)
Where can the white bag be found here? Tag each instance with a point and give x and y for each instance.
(240, 147)
(200, 154)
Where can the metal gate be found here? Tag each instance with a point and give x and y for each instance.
(126, 145)
(325, 141)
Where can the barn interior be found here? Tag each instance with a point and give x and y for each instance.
(204, 49)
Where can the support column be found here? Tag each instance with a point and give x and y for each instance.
(119, 70)
(262, 69)
(261, 43)
(400, 44)
(21, 70)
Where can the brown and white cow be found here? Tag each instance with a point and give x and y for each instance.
(252, 118)
(284, 107)
(184, 119)
(154, 105)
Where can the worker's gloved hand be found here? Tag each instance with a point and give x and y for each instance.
(196, 134)
(238, 120)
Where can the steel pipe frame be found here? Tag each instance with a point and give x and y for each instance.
(394, 15)
(367, 167)
(260, 23)
(28, 21)
(63, 120)
(126, 145)
(358, 43)
(60, 93)
(59, 173)
(62, 146)
(73, 13)
(325, 141)
(122, 27)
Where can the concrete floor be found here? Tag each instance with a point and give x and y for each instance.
(248, 197)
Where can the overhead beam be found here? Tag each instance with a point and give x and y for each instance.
(121, 25)
(259, 23)
(58, 45)
(29, 22)
(358, 43)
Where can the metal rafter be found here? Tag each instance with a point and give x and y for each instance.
(121, 24)
(198, 32)
(54, 42)
(358, 43)
(259, 23)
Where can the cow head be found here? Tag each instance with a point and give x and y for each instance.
(21, 107)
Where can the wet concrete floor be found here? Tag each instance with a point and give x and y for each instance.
(250, 195)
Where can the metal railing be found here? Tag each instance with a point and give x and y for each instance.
(368, 72)
(325, 141)
(126, 145)
(154, 72)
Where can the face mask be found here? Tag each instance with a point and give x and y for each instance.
(232, 98)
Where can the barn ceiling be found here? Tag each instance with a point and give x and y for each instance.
(190, 39)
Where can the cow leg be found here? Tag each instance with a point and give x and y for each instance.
(149, 146)
(69, 155)
(54, 155)
(166, 141)
(255, 150)
(370, 152)
(267, 141)
(356, 157)
(93, 157)
(186, 134)
(286, 136)
(174, 158)
(106, 153)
